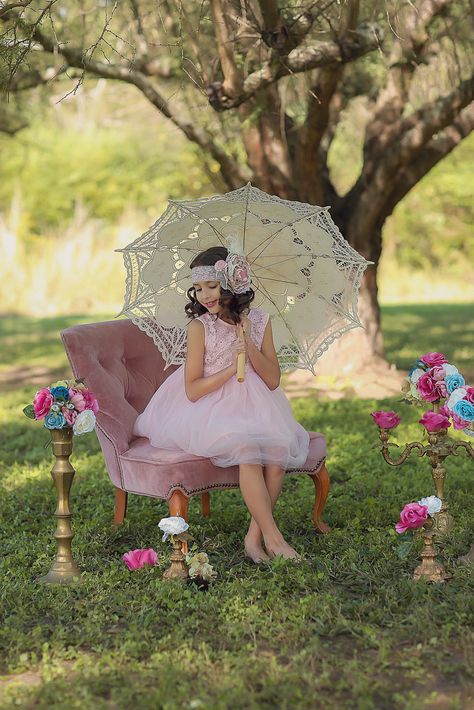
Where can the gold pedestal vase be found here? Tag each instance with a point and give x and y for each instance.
(64, 569)
(178, 568)
(430, 568)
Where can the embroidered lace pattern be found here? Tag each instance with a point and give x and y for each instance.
(221, 336)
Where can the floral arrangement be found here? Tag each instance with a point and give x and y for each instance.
(234, 273)
(413, 517)
(199, 566)
(433, 379)
(65, 404)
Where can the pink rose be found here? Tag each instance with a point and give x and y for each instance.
(70, 415)
(433, 359)
(42, 403)
(77, 399)
(134, 559)
(438, 373)
(220, 265)
(386, 420)
(433, 421)
(412, 516)
(426, 386)
(241, 275)
(470, 394)
(458, 422)
(445, 411)
(90, 401)
(440, 388)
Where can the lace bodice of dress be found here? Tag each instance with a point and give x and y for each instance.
(221, 336)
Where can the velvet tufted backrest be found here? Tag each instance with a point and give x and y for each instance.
(122, 366)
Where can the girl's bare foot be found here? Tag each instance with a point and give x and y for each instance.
(280, 548)
(254, 550)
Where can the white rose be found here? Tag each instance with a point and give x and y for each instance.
(416, 374)
(433, 503)
(450, 370)
(85, 422)
(456, 396)
(414, 392)
(174, 525)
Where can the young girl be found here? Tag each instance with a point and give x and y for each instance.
(202, 408)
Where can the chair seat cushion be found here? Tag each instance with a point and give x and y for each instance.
(149, 471)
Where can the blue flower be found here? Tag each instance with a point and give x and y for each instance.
(464, 409)
(54, 420)
(60, 393)
(453, 382)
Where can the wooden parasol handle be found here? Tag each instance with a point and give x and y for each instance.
(241, 360)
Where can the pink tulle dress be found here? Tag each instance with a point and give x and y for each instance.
(238, 423)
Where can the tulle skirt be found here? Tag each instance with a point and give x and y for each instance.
(237, 424)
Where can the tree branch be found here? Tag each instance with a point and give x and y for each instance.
(321, 54)
(232, 80)
(233, 173)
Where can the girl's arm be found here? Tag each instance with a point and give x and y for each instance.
(264, 361)
(195, 384)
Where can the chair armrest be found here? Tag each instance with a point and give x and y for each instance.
(114, 430)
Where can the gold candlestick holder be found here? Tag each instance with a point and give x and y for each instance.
(64, 569)
(430, 568)
(439, 447)
(178, 568)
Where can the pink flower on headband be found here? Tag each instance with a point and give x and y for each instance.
(220, 265)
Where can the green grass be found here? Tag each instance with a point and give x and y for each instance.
(347, 628)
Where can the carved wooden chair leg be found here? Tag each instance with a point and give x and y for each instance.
(206, 504)
(120, 510)
(321, 484)
(178, 505)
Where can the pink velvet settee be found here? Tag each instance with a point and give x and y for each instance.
(124, 368)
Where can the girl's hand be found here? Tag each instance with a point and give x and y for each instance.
(246, 325)
(239, 347)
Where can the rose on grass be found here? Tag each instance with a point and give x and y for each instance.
(412, 516)
(464, 410)
(173, 525)
(54, 420)
(134, 559)
(453, 382)
(432, 359)
(85, 422)
(77, 399)
(455, 396)
(427, 388)
(433, 503)
(386, 420)
(434, 421)
(42, 403)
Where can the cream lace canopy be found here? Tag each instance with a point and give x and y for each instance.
(304, 273)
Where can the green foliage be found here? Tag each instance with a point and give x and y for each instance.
(106, 170)
(346, 628)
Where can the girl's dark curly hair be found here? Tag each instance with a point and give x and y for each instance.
(233, 304)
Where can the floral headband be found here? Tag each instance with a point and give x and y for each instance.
(233, 274)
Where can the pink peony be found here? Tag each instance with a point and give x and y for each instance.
(458, 422)
(470, 394)
(77, 399)
(427, 388)
(42, 403)
(433, 359)
(386, 420)
(70, 415)
(134, 559)
(412, 516)
(90, 401)
(432, 421)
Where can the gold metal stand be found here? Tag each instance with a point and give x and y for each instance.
(178, 568)
(64, 569)
(430, 569)
(440, 446)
